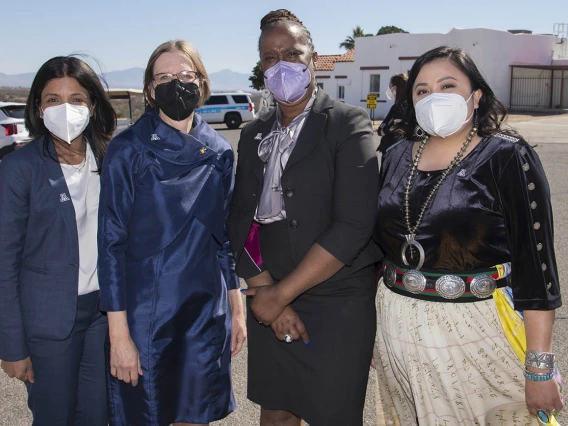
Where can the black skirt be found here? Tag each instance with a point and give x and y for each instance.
(323, 383)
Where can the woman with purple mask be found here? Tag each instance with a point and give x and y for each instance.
(301, 218)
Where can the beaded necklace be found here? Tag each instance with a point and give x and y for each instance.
(410, 237)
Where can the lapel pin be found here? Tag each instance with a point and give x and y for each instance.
(203, 150)
(154, 137)
(258, 137)
(63, 197)
(462, 173)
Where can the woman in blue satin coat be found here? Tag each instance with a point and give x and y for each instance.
(165, 267)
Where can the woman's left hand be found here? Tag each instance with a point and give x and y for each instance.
(267, 303)
(543, 396)
(239, 333)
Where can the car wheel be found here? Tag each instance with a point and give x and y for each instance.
(233, 121)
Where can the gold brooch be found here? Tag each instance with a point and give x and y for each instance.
(203, 150)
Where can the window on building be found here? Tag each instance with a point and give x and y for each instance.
(375, 83)
(320, 85)
(340, 92)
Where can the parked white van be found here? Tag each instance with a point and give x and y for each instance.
(229, 108)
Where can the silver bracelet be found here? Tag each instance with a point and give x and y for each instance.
(539, 359)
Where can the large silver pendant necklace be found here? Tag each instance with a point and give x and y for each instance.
(412, 279)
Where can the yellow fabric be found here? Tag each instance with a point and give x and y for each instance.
(500, 271)
(514, 328)
(512, 324)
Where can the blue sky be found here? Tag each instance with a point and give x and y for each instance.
(122, 34)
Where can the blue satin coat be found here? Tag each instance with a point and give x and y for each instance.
(164, 257)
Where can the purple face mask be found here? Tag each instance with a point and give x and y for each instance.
(288, 81)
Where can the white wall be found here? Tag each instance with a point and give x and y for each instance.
(492, 51)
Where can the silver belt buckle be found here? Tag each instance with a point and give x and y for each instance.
(450, 286)
(390, 275)
(414, 281)
(482, 286)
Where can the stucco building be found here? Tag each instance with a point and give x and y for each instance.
(524, 70)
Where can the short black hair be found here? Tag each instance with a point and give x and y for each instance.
(103, 122)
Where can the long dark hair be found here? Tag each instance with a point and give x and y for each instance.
(399, 81)
(103, 122)
(491, 111)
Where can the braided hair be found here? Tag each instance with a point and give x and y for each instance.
(284, 17)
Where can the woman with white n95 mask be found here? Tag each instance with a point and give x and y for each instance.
(51, 327)
(469, 282)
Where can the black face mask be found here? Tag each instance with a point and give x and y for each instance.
(176, 99)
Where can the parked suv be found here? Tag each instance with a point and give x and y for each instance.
(229, 108)
(13, 133)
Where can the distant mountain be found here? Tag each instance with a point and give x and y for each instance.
(227, 80)
(221, 81)
(132, 78)
(17, 80)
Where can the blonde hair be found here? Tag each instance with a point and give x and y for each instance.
(191, 52)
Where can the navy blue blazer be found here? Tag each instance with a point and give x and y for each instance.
(39, 250)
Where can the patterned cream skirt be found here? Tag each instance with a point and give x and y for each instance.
(446, 364)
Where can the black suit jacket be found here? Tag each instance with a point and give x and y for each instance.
(330, 186)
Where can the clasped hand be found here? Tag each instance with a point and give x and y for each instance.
(267, 303)
(270, 308)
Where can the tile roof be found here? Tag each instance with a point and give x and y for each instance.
(327, 62)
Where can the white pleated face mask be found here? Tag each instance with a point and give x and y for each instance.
(391, 94)
(442, 114)
(66, 121)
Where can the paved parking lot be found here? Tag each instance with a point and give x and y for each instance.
(548, 133)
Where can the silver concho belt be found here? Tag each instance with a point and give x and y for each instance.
(480, 286)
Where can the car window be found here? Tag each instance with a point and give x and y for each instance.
(217, 100)
(14, 111)
(240, 99)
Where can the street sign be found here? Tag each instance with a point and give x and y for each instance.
(372, 101)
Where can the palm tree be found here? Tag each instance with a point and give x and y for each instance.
(349, 42)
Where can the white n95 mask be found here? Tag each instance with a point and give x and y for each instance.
(442, 114)
(66, 121)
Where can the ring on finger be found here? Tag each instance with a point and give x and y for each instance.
(543, 416)
(288, 338)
